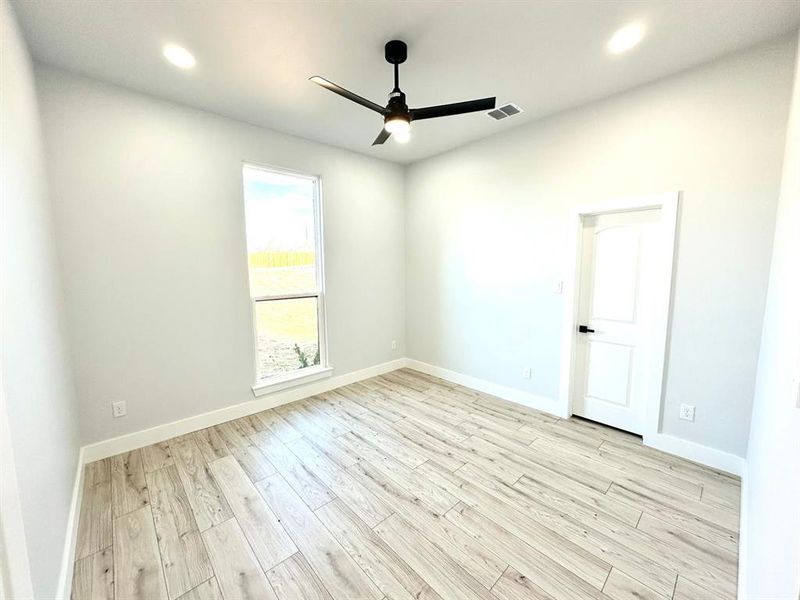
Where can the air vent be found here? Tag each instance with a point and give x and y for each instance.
(508, 110)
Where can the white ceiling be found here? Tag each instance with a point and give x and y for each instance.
(254, 58)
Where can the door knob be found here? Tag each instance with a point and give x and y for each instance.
(584, 329)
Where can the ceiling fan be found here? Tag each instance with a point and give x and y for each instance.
(397, 116)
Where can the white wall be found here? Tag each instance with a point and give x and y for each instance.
(150, 220)
(37, 388)
(486, 230)
(770, 557)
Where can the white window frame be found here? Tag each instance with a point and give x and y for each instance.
(323, 369)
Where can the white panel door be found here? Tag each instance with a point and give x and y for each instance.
(616, 302)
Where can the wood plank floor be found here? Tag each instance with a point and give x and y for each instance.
(405, 487)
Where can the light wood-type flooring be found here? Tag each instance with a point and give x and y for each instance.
(405, 487)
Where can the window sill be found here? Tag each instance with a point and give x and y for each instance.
(282, 382)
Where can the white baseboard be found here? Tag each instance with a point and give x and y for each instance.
(705, 455)
(541, 403)
(716, 459)
(743, 536)
(68, 557)
(159, 433)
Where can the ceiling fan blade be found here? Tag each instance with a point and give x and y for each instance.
(382, 137)
(337, 89)
(457, 108)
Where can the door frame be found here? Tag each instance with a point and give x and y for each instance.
(669, 203)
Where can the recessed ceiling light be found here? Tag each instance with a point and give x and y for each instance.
(179, 56)
(625, 38)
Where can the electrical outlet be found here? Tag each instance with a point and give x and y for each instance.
(119, 409)
(394, 344)
(687, 412)
(527, 373)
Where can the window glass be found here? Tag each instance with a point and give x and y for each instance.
(281, 236)
(288, 336)
(281, 213)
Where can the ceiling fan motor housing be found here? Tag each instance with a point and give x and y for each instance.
(397, 107)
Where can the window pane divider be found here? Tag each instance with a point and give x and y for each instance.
(286, 297)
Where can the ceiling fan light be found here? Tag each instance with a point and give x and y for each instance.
(397, 125)
(402, 137)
